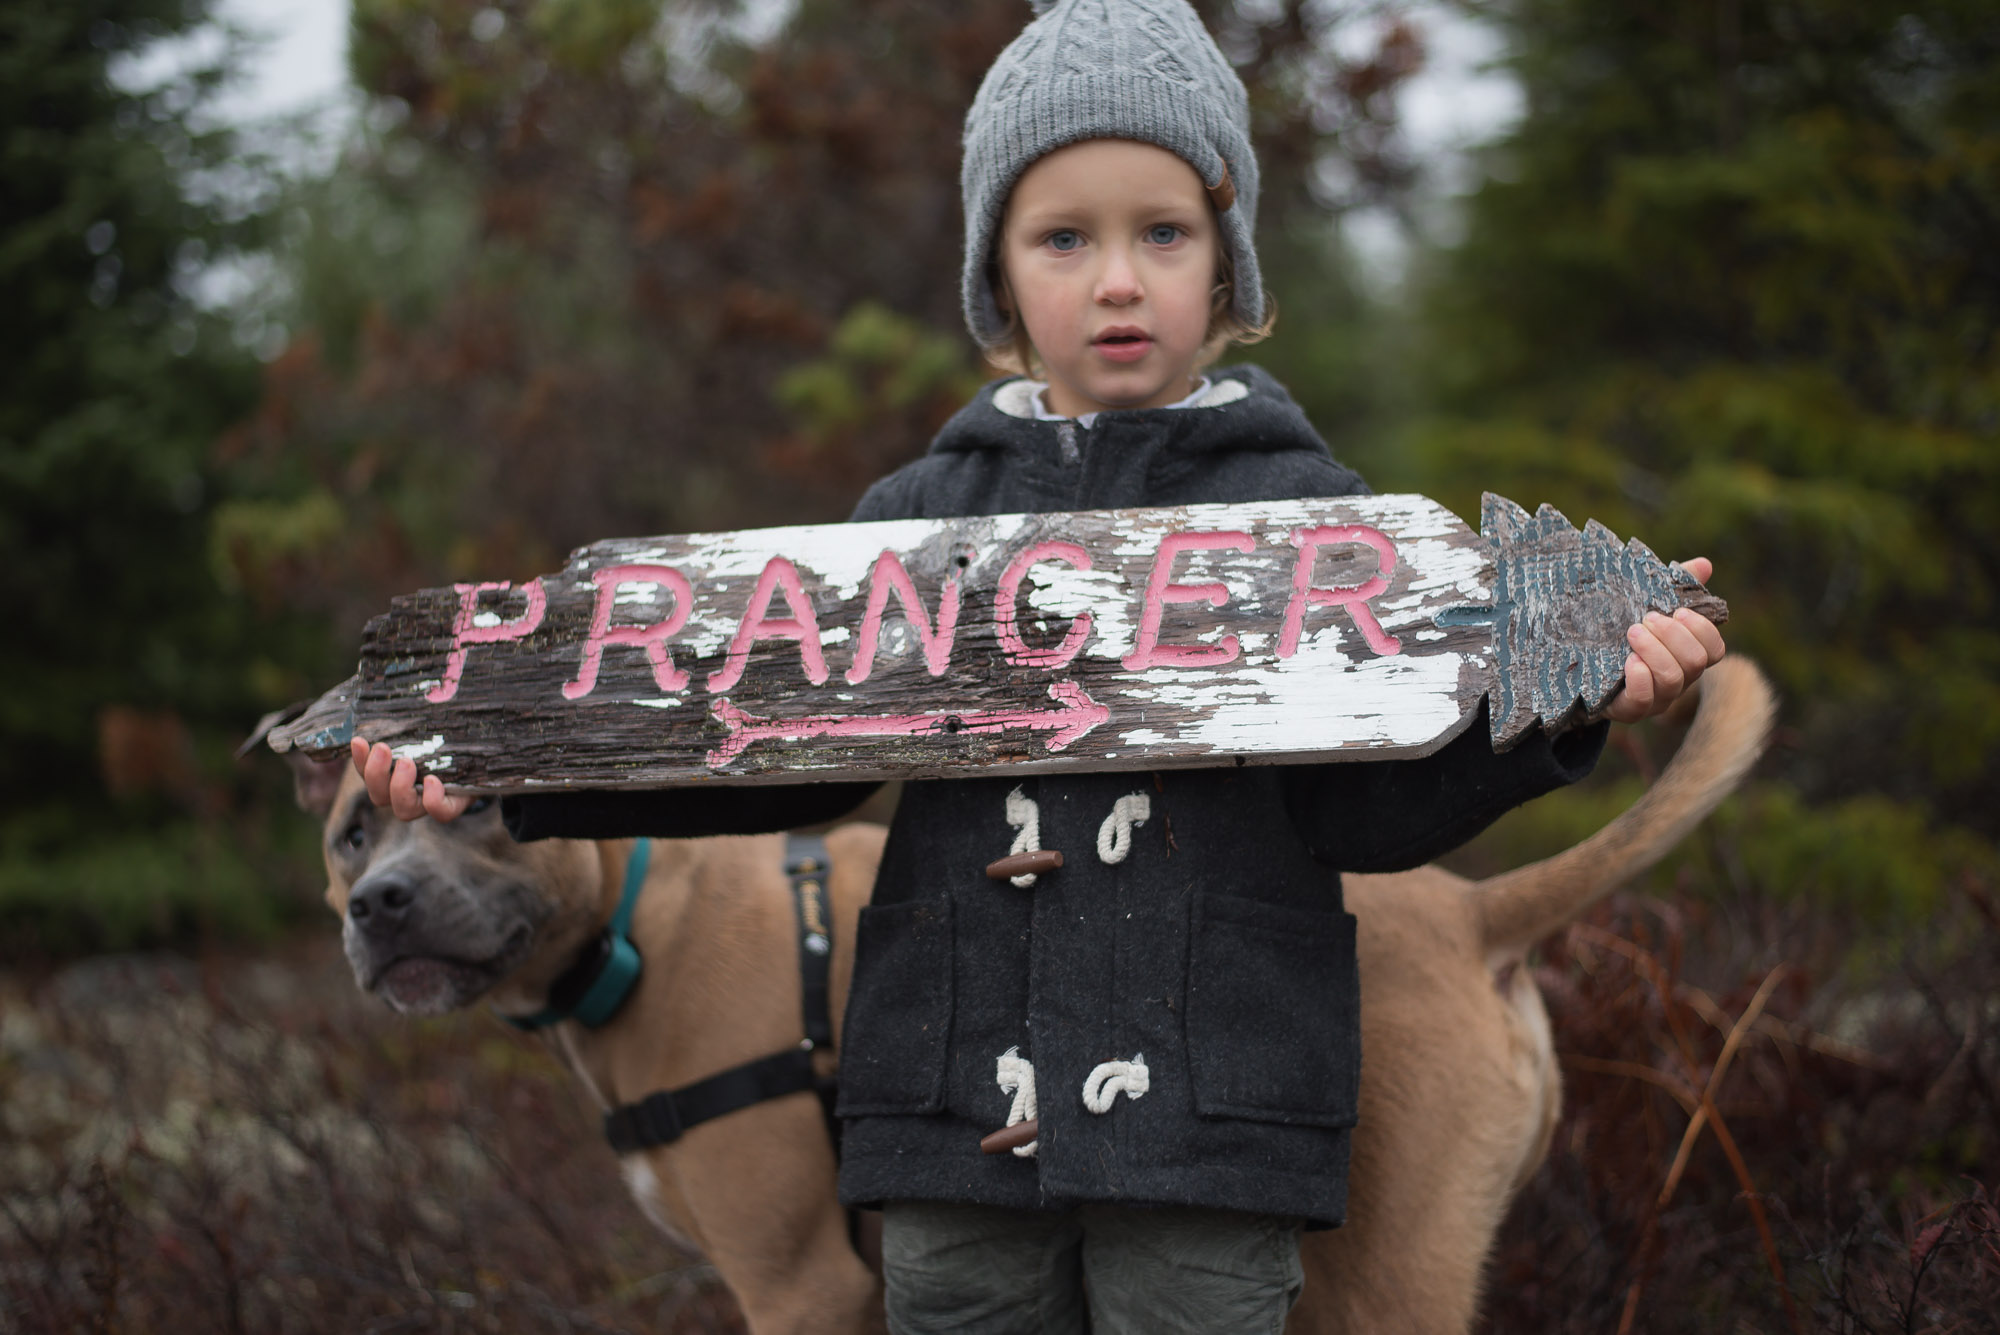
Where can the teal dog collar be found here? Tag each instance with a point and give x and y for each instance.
(592, 990)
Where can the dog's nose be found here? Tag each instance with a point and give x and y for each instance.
(380, 905)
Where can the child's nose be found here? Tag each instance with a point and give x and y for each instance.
(1118, 283)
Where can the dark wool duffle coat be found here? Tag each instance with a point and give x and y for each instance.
(1215, 954)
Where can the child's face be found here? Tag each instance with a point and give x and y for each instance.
(1108, 251)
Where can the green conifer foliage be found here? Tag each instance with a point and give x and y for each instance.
(125, 672)
(1733, 285)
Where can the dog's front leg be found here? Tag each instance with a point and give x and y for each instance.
(759, 1189)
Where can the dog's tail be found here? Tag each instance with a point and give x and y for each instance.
(1732, 722)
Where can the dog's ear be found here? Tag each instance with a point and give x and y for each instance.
(314, 782)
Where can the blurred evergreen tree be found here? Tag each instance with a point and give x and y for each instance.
(113, 388)
(1733, 285)
(124, 673)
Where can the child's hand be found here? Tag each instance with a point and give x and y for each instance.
(1669, 654)
(392, 783)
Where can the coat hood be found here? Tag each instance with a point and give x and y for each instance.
(1264, 420)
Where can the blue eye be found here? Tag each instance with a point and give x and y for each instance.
(1064, 241)
(1163, 234)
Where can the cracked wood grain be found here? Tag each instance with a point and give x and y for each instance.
(1351, 628)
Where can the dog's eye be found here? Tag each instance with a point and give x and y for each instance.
(479, 804)
(354, 836)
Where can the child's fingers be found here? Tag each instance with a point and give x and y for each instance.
(1648, 640)
(1678, 638)
(1700, 567)
(404, 797)
(395, 784)
(1706, 634)
(440, 805)
(1635, 700)
(376, 771)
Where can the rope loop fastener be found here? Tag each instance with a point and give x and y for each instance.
(1107, 1080)
(1015, 1075)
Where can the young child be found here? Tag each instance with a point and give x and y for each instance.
(1178, 1004)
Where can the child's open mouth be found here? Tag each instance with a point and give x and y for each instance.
(1124, 344)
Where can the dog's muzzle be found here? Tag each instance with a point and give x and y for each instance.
(425, 953)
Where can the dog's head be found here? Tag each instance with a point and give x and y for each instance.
(434, 915)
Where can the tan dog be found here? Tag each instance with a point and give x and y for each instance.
(439, 916)
(1460, 1092)
(1459, 1095)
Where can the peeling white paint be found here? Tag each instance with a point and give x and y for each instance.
(632, 592)
(419, 750)
(1333, 693)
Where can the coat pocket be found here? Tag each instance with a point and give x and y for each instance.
(1273, 1013)
(898, 1028)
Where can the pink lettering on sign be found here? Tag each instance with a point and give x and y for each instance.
(1160, 590)
(802, 625)
(1074, 716)
(888, 576)
(1006, 624)
(1353, 597)
(653, 638)
(464, 633)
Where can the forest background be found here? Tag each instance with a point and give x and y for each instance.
(582, 268)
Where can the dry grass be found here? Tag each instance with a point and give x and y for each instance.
(249, 1145)
(1756, 1139)
(1743, 1150)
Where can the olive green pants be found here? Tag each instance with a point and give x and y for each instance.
(1103, 1269)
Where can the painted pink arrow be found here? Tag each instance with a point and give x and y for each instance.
(1075, 715)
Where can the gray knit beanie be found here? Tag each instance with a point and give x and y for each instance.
(1108, 69)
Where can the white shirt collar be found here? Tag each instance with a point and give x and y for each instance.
(1038, 398)
(1024, 399)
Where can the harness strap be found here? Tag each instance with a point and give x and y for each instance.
(660, 1118)
(663, 1116)
(593, 989)
(807, 863)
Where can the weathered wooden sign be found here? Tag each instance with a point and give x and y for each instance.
(1350, 628)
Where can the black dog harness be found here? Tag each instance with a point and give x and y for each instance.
(661, 1117)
